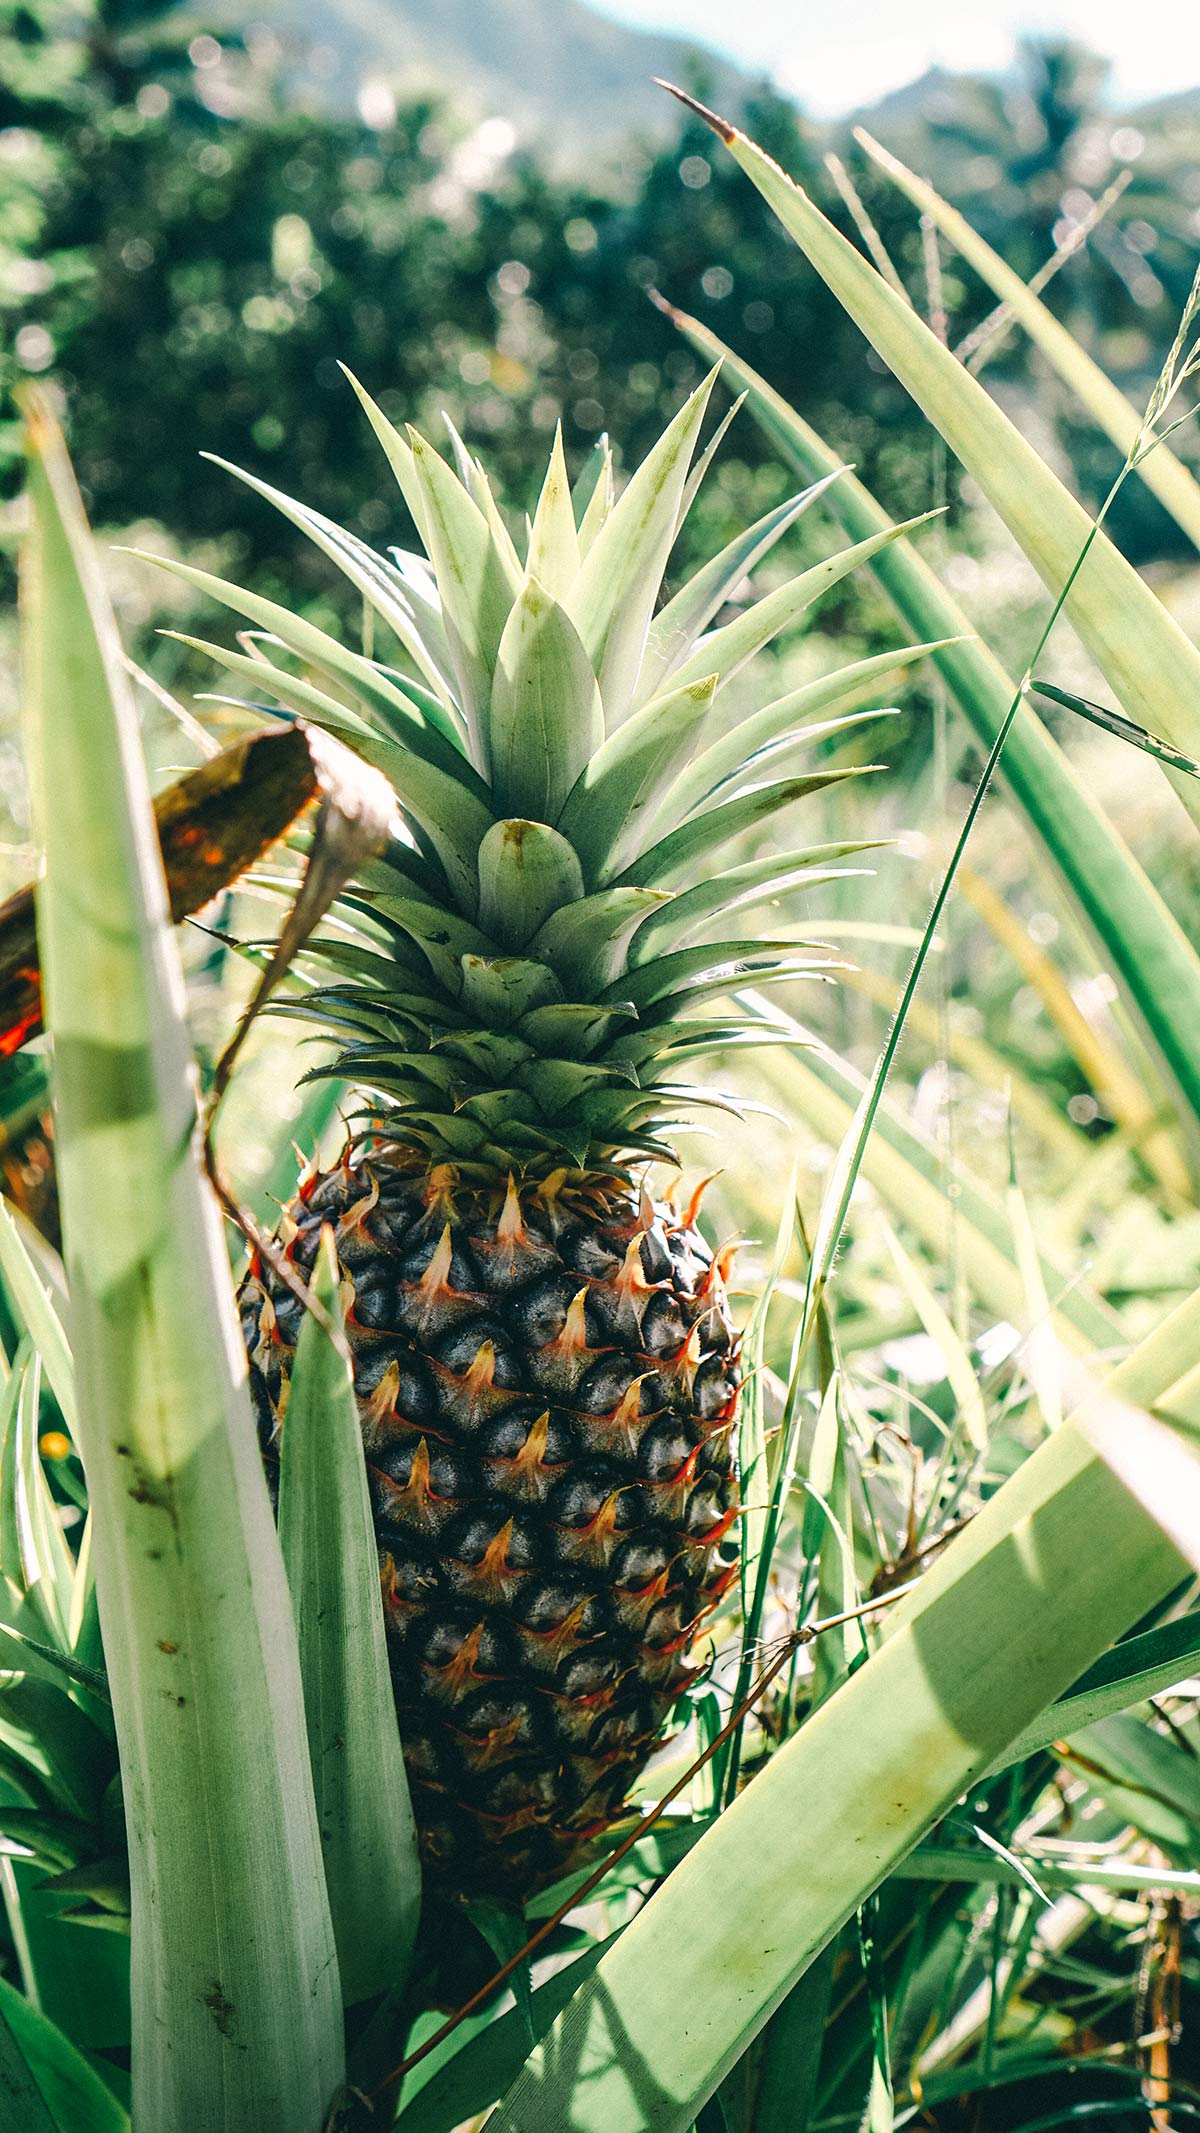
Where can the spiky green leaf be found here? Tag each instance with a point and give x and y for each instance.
(706, 833)
(784, 720)
(755, 881)
(383, 703)
(453, 818)
(585, 943)
(368, 1836)
(414, 620)
(676, 626)
(616, 796)
(477, 585)
(592, 494)
(545, 718)
(725, 651)
(553, 539)
(613, 597)
(526, 872)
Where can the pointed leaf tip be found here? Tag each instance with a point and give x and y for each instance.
(692, 103)
(37, 410)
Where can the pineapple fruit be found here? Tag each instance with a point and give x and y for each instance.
(545, 1363)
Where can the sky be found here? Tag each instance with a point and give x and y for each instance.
(833, 59)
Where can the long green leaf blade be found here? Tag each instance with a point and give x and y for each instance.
(23, 2107)
(1136, 1669)
(676, 626)
(1147, 949)
(398, 451)
(754, 881)
(46, 2084)
(1165, 476)
(1138, 645)
(237, 2021)
(368, 1835)
(674, 2004)
(413, 619)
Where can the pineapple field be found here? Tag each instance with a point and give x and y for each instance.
(600, 1241)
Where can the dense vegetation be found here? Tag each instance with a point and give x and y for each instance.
(173, 212)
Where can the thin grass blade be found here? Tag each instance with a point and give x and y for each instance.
(960, 1371)
(909, 1171)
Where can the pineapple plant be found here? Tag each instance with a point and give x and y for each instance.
(455, 1207)
(545, 1363)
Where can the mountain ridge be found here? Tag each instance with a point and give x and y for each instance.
(538, 63)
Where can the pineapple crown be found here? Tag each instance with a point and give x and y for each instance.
(520, 978)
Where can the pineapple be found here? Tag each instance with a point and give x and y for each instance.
(545, 1362)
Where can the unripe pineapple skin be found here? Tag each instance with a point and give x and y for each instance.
(547, 1381)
